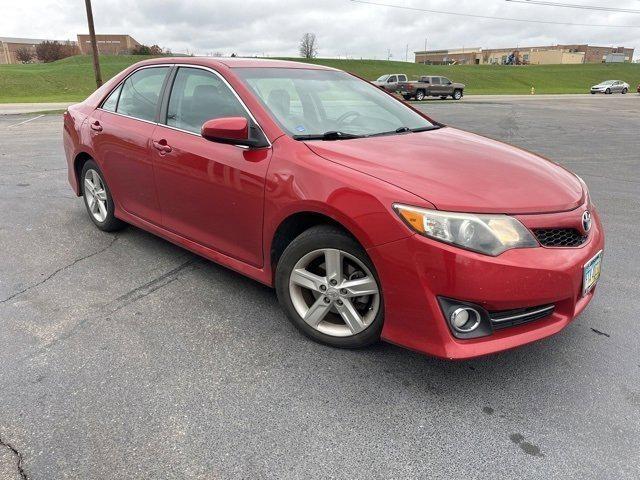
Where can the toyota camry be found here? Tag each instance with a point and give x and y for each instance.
(370, 219)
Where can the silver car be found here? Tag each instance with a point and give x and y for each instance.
(610, 86)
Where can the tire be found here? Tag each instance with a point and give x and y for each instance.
(624, 91)
(101, 210)
(420, 95)
(608, 92)
(593, 93)
(407, 97)
(443, 97)
(306, 289)
(457, 95)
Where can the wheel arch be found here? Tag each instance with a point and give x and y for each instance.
(296, 223)
(78, 163)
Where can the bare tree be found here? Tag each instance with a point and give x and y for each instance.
(308, 46)
(24, 55)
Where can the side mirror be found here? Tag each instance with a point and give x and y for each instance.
(232, 130)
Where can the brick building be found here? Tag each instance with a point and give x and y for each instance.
(9, 46)
(111, 44)
(542, 55)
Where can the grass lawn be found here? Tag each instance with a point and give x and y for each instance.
(72, 79)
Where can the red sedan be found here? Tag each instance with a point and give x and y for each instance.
(370, 219)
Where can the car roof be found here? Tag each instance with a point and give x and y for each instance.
(236, 62)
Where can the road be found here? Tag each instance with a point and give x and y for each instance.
(123, 356)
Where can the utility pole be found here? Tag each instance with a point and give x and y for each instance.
(94, 44)
(425, 50)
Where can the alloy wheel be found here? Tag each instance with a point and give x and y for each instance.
(95, 195)
(334, 292)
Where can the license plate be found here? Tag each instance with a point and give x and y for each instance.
(591, 273)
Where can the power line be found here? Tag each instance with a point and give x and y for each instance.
(573, 5)
(507, 19)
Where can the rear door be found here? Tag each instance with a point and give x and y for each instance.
(121, 140)
(210, 193)
(436, 86)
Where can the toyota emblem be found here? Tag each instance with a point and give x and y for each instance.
(586, 221)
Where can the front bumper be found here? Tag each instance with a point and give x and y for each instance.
(415, 271)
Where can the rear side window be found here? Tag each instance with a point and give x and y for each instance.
(197, 96)
(112, 100)
(141, 93)
(435, 80)
(402, 78)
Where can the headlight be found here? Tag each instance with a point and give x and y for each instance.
(488, 234)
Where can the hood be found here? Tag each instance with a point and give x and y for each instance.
(458, 85)
(460, 171)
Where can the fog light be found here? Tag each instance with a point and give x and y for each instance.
(465, 319)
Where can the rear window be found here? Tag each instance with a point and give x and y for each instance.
(141, 93)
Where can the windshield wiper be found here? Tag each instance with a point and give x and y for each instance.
(406, 130)
(330, 135)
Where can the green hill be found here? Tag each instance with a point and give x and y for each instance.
(71, 79)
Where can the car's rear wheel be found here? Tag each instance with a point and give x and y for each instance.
(329, 288)
(98, 199)
(419, 95)
(624, 91)
(457, 95)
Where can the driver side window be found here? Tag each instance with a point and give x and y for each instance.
(392, 79)
(197, 96)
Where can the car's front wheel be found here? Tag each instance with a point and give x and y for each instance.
(329, 288)
(457, 95)
(98, 199)
(608, 91)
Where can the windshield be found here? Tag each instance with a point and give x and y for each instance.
(309, 103)
(383, 78)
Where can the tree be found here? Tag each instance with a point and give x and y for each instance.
(155, 50)
(308, 46)
(24, 55)
(51, 51)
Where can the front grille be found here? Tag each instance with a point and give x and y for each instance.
(559, 237)
(511, 318)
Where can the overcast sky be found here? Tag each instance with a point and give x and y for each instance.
(274, 27)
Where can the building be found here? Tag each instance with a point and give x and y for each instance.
(110, 44)
(9, 46)
(543, 55)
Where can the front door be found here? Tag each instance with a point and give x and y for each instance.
(210, 193)
(121, 132)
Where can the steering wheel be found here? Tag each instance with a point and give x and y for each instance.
(352, 113)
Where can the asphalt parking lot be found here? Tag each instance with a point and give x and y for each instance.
(124, 356)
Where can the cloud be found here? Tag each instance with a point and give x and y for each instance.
(343, 28)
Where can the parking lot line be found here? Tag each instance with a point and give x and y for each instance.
(25, 121)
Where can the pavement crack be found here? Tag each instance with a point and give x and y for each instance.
(601, 333)
(18, 456)
(122, 301)
(61, 269)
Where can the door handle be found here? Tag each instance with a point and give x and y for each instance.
(96, 126)
(162, 146)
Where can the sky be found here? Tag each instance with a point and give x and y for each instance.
(343, 28)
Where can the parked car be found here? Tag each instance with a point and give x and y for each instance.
(610, 86)
(390, 81)
(638, 89)
(428, 86)
(370, 219)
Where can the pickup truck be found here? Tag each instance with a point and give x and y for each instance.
(429, 86)
(390, 81)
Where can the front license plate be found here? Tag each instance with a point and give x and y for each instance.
(591, 273)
